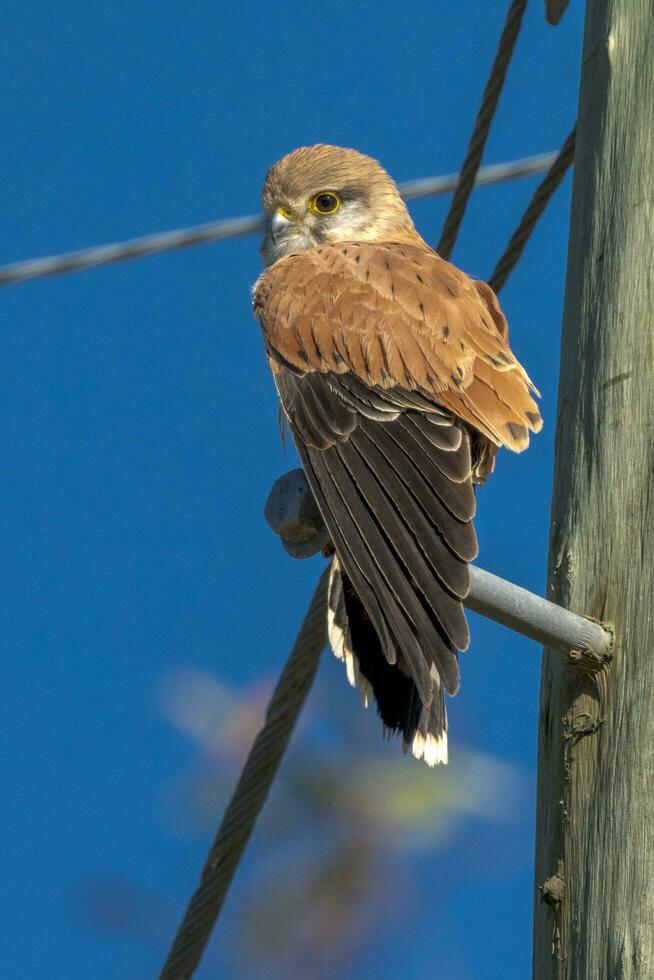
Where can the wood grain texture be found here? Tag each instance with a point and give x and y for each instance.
(595, 820)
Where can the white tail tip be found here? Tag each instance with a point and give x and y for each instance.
(432, 749)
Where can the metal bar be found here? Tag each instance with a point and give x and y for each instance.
(535, 617)
(293, 514)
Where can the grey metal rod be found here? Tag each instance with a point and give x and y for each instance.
(293, 514)
(535, 617)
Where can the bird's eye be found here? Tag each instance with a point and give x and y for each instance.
(325, 203)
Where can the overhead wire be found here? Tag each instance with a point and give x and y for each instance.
(481, 129)
(215, 231)
(251, 790)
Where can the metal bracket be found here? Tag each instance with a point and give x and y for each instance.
(293, 514)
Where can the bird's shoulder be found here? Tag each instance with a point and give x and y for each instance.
(395, 312)
(397, 316)
(403, 272)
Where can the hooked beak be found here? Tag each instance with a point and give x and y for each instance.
(280, 224)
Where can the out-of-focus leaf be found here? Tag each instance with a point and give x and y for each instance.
(338, 837)
(307, 922)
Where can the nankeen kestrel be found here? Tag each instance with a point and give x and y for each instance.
(396, 378)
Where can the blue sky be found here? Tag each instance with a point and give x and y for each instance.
(140, 432)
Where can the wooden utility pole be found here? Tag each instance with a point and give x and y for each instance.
(594, 915)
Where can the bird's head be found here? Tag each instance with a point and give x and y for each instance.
(326, 194)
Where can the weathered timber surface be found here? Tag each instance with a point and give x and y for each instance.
(594, 915)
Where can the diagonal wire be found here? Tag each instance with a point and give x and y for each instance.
(555, 9)
(537, 205)
(214, 231)
(482, 126)
(251, 791)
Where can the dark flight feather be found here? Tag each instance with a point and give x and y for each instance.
(400, 518)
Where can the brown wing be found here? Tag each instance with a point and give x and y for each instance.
(395, 490)
(384, 357)
(399, 315)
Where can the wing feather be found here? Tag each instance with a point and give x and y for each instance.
(388, 362)
(343, 515)
(399, 509)
(458, 535)
(395, 524)
(453, 575)
(397, 316)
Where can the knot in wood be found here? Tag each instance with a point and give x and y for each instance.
(551, 891)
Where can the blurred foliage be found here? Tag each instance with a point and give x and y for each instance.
(339, 847)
